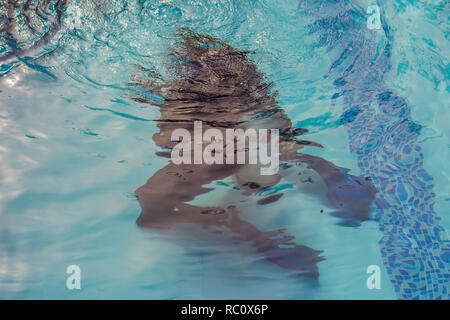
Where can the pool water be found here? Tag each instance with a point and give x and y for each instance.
(74, 146)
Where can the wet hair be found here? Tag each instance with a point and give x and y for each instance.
(206, 70)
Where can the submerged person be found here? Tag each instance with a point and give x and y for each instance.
(212, 82)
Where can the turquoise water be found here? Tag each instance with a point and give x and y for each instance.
(74, 146)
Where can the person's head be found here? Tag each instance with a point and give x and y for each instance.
(208, 70)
